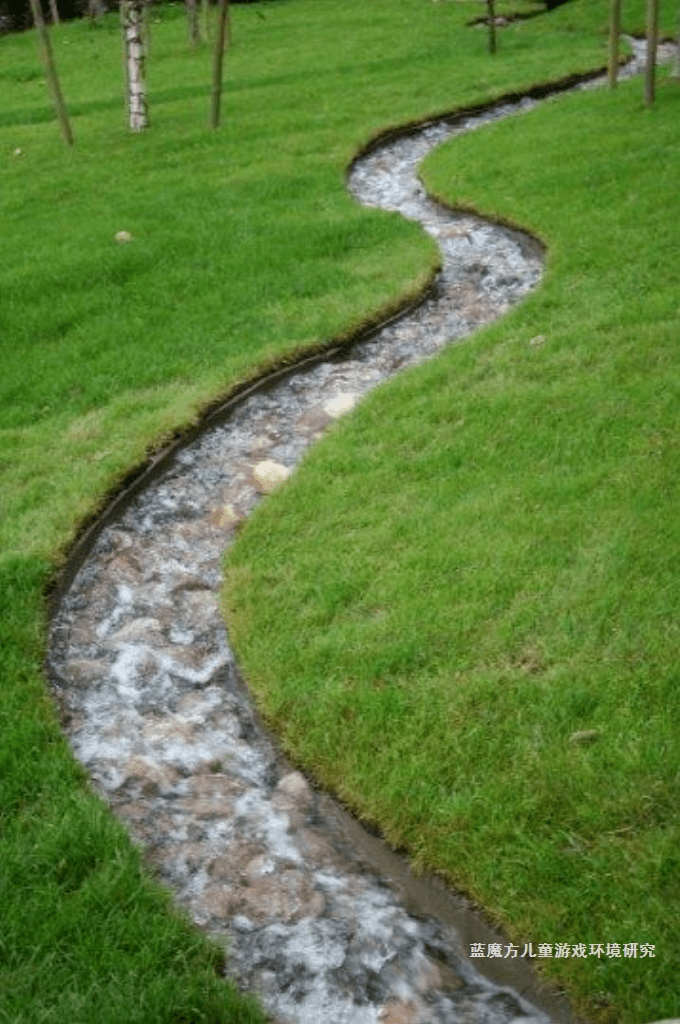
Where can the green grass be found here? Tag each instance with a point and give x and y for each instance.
(482, 561)
(246, 250)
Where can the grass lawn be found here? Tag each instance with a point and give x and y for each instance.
(482, 561)
(246, 249)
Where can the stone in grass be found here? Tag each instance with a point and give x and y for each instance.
(268, 475)
(584, 736)
(123, 236)
(340, 404)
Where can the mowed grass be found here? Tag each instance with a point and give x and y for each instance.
(482, 561)
(246, 250)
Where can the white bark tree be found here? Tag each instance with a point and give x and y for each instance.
(132, 22)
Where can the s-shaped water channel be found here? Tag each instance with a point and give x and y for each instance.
(322, 920)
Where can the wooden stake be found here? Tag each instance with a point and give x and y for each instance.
(192, 23)
(222, 30)
(652, 37)
(51, 72)
(492, 26)
(614, 35)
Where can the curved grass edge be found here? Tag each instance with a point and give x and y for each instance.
(319, 721)
(23, 631)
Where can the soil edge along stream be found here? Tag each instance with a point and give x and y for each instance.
(320, 918)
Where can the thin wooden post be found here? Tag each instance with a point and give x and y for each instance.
(614, 36)
(51, 72)
(492, 25)
(192, 23)
(222, 29)
(652, 37)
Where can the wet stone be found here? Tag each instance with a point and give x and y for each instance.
(156, 711)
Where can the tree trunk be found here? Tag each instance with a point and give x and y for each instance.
(652, 36)
(492, 25)
(222, 33)
(192, 23)
(205, 12)
(54, 12)
(614, 35)
(51, 72)
(132, 22)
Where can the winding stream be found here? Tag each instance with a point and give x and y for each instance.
(319, 917)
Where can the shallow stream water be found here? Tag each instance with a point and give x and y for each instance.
(320, 917)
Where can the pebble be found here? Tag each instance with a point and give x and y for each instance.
(155, 709)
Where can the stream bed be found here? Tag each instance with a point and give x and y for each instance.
(318, 916)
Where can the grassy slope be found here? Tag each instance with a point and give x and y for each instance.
(483, 560)
(246, 249)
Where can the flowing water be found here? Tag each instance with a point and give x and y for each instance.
(319, 917)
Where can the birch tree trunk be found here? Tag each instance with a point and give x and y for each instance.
(652, 37)
(132, 22)
(51, 72)
(614, 35)
(54, 12)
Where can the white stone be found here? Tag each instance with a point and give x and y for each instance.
(295, 786)
(585, 736)
(224, 516)
(341, 403)
(268, 475)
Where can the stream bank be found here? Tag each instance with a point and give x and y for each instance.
(319, 917)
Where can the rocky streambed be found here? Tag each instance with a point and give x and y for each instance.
(319, 917)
